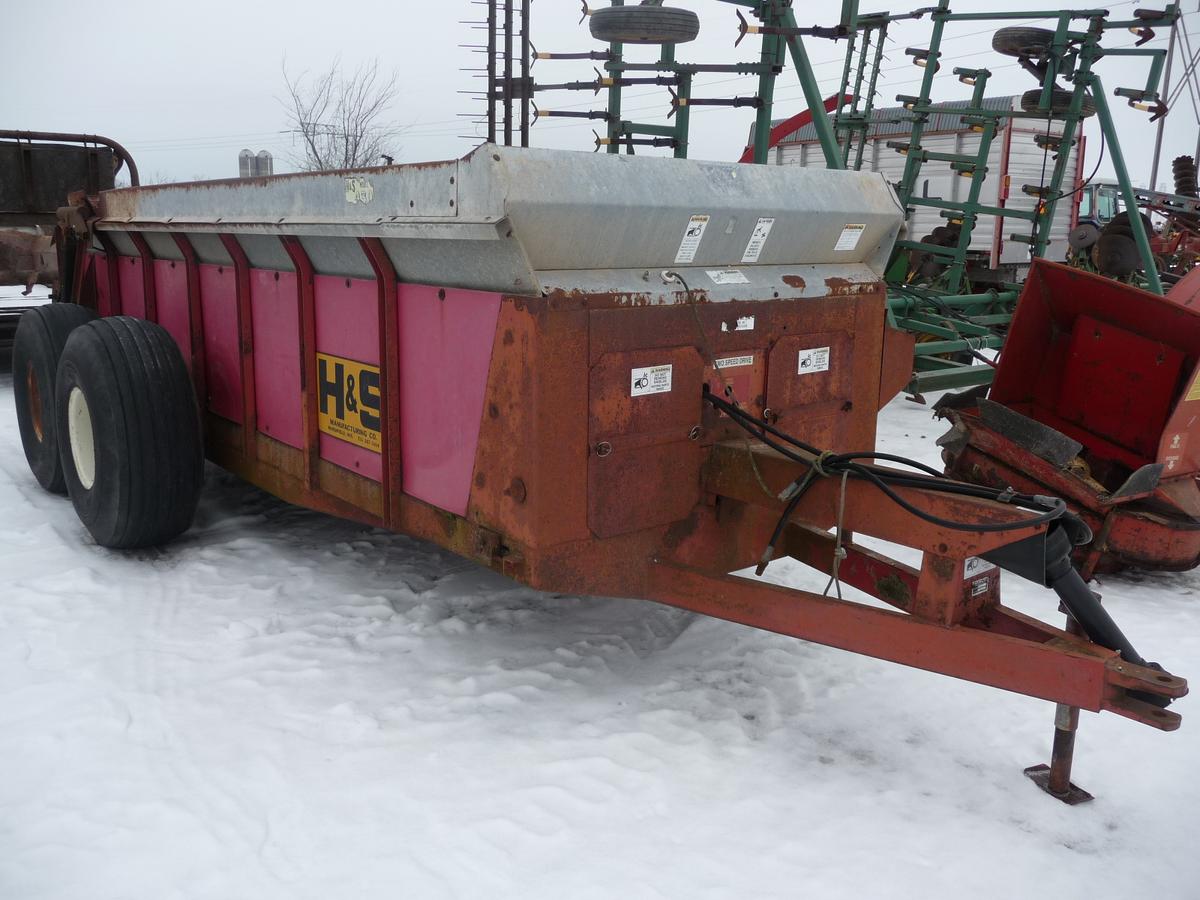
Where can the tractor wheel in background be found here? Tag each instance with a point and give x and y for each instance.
(41, 335)
(1060, 103)
(129, 433)
(1116, 256)
(1083, 237)
(644, 24)
(1023, 41)
(1119, 224)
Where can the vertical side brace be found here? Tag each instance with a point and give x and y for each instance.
(241, 274)
(82, 259)
(195, 318)
(113, 259)
(308, 356)
(148, 290)
(389, 361)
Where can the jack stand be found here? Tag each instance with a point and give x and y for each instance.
(1055, 779)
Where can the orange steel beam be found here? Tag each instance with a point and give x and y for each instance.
(945, 624)
(728, 473)
(1062, 669)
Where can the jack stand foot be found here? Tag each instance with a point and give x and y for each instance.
(1074, 794)
(1055, 779)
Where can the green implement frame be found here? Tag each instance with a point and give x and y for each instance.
(949, 322)
(953, 323)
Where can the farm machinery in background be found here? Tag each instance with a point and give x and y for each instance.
(1102, 241)
(38, 170)
(939, 290)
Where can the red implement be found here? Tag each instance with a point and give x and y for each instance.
(795, 123)
(1097, 400)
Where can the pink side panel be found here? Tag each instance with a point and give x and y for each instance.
(171, 299)
(276, 317)
(222, 361)
(104, 299)
(347, 317)
(445, 354)
(347, 312)
(133, 293)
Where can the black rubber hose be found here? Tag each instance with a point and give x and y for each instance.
(1085, 609)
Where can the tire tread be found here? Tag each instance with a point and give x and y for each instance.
(152, 489)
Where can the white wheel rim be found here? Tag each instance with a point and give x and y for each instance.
(83, 442)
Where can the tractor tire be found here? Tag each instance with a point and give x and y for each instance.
(41, 335)
(129, 433)
(1021, 41)
(1060, 103)
(644, 25)
(1116, 256)
(1119, 224)
(1083, 237)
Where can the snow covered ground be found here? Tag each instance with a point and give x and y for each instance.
(284, 705)
(13, 297)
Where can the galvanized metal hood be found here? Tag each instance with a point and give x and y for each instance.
(514, 219)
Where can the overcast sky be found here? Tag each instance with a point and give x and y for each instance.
(186, 86)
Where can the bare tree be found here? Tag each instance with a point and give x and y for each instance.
(337, 116)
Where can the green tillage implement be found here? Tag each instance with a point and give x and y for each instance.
(947, 322)
(950, 322)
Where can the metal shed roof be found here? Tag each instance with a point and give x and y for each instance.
(896, 120)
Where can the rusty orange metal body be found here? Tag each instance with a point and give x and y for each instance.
(594, 465)
(1096, 400)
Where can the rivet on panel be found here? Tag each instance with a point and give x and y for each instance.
(517, 490)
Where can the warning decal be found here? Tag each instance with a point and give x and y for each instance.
(850, 237)
(813, 360)
(758, 240)
(1194, 391)
(650, 380)
(692, 236)
(733, 362)
(728, 276)
(973, 566)
(349, 401)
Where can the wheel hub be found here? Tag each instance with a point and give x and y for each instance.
(35, 401)
(83, 444)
